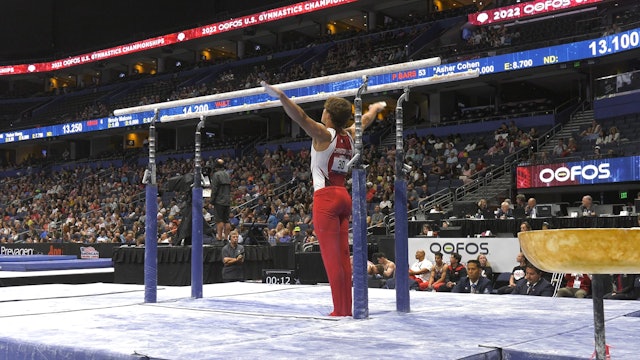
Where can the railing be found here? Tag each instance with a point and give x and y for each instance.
(619, 84)
(17, 236)
(572, 106)
(443, 196)
(446, 197)
(250, 147)
(253, 203)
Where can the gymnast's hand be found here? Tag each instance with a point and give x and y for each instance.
(378, 106)
(270, 89)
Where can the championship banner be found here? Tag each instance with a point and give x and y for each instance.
(524, 10)
(276, 14)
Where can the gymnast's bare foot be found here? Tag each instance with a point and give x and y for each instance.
(336, 314)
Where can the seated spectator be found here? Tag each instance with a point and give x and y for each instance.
(377, 218)
(455, 272)
(521, 201)
(505, 211)
(525, 226)
(413, 197)
(374, 275)
(559, 149)
(297, 235)
(437, 169)
(438, 145)
(577, 285)
(272, 237)
(452, 159)
(613, 136)
(483, 210)
(517, 274)
(533, 283)
(572, 147)
(438, 274)
(587, 208)
(496, 149)
(309, 237)
(466, 174)
(450, 149)
(423, 192)
(591, 132)
(601, 137)
(485, 267)
(474, 282)
(543, 157)
(371, 192)
(472, 145)
(530, 208)
(420, 272)
(280, 230)
(523, 139)
(624, 287)
(427, 230)
(386, 206)
(480, 165)
(388, 266)
(502, 130)
(513, 129)
(285, 238)
(428, 159)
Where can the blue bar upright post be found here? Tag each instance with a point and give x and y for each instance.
(401, 224)
(151, 220)
(197, 219)
(597, 290)
(359, 215)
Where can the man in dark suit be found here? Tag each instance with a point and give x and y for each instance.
(505, 211)
(473, 283)
(533, 284)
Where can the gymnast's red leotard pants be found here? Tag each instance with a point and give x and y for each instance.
(331, 212)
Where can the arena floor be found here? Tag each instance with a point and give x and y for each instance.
(260, 321)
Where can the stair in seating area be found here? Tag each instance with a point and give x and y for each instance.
(579, 121)
(495, 191)
(388, 141)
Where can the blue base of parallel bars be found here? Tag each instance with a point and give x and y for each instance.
(196, 243)
(360, 290)
(401, 247)
(151, 245)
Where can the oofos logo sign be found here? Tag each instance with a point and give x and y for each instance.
(549, 5)
(563, 173)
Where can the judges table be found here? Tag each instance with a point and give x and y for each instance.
(174, 264)
(472, 227)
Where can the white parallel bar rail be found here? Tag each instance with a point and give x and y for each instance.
(355, 75)
(323, 96)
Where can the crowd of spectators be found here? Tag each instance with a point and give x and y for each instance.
(91, 202)
(86, 204)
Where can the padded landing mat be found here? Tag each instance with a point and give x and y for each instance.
(263, 321)
(22, 258)
(56, 265)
